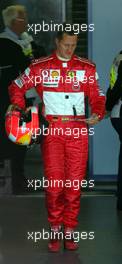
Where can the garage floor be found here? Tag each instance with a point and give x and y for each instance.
(22, 216)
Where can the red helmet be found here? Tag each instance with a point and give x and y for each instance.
(21, 126)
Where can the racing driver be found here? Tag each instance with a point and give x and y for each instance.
(63, 81)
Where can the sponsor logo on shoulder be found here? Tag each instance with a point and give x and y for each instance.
(19, 82)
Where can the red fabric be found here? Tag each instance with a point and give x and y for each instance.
(65, 156)
(36, 69)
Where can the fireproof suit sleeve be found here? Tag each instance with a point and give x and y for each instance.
(18, 87)
(95, 94)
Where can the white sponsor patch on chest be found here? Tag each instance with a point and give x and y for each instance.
(52, 78)
(80, 74)
(60, 103)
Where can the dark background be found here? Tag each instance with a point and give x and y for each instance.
(57, 11)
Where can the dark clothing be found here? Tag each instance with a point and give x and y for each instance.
(117, 124)
(38, 51)
(114, 94)
(12, 63)
(114, 104)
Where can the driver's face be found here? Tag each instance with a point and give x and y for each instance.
(66, 46)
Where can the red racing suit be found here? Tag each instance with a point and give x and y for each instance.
(63, 87)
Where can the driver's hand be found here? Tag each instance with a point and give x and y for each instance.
(14, 107)
(93, 120)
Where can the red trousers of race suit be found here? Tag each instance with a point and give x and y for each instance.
(65, 160)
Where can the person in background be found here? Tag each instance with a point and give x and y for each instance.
(17, 49)
(114, 107)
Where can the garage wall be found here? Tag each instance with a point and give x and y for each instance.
(104, 43)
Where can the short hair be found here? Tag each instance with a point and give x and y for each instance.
(65, 28)
(11, 13)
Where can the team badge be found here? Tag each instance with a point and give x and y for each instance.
(75, 87)
(71, 74)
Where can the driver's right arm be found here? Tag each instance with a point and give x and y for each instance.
(19, 86)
